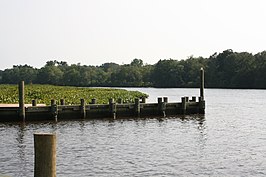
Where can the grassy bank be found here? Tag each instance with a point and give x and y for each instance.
(72, 95)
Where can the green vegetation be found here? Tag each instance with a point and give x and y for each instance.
(228, 69)
(72, 95)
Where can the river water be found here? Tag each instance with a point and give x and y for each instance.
(229, 140)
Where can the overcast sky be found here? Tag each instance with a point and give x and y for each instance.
(93, 32)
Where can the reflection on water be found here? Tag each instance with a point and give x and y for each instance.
(21, 148)
(228, 141)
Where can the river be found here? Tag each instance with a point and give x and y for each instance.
(229, 140)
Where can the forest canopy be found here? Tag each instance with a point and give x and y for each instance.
(227, 69)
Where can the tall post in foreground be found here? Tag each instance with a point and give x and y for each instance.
(21, 101)
(202, 83)
(45, 155)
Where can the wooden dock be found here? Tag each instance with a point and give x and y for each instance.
(113, 110)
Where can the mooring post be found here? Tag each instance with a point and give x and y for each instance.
(119, 101)
(112, 108)
(137, 107)
(34, 102)
(184, 105)
(22, 113)
(161, 106)
(54, 109)
(93, 101)
(201, 105)
(83, 108)
(62, 102)
(53, 102)
(193, 99)
(202, 83)
(160, 100)
(45, 155)
(165, 99)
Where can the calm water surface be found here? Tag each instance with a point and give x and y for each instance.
(229, 140)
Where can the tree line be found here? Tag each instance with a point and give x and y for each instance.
(227, 69)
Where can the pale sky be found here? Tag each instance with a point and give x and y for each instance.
(93, 32)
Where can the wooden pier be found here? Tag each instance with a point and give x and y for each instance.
(113, 110)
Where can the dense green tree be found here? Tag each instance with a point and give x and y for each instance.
(19, 73)
(168, 73)
(227, 69)
(260, 71)
(137, 62)
(50, 74)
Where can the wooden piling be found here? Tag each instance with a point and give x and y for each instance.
(184, 105)
(62, 102)
(54, 110)
(93, 101)
(82, 108)
(22, 113)
(53, 102)
(160, 100)
(45, 155)
(112, 108)
(34, 102)
(143, 100)
(161, 107)
(202, 83)
(137, 107)
(201, 105)
(120, 101)
(165, 99)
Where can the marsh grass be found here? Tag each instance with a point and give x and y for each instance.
(72, 95)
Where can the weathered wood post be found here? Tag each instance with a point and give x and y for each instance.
(62, 102)
(201, 105)
(161, 107)
(34, 102)
(160, 100)
(45, 155)
(93, 101)
(201, 98)
(143, 100)
(22, 113)
(112, 108)
(83, 108)
(184, 105)
(165, 99)
(54, 109)
(202, 83)
(120, 101)
(53, 102)
(137, 107)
